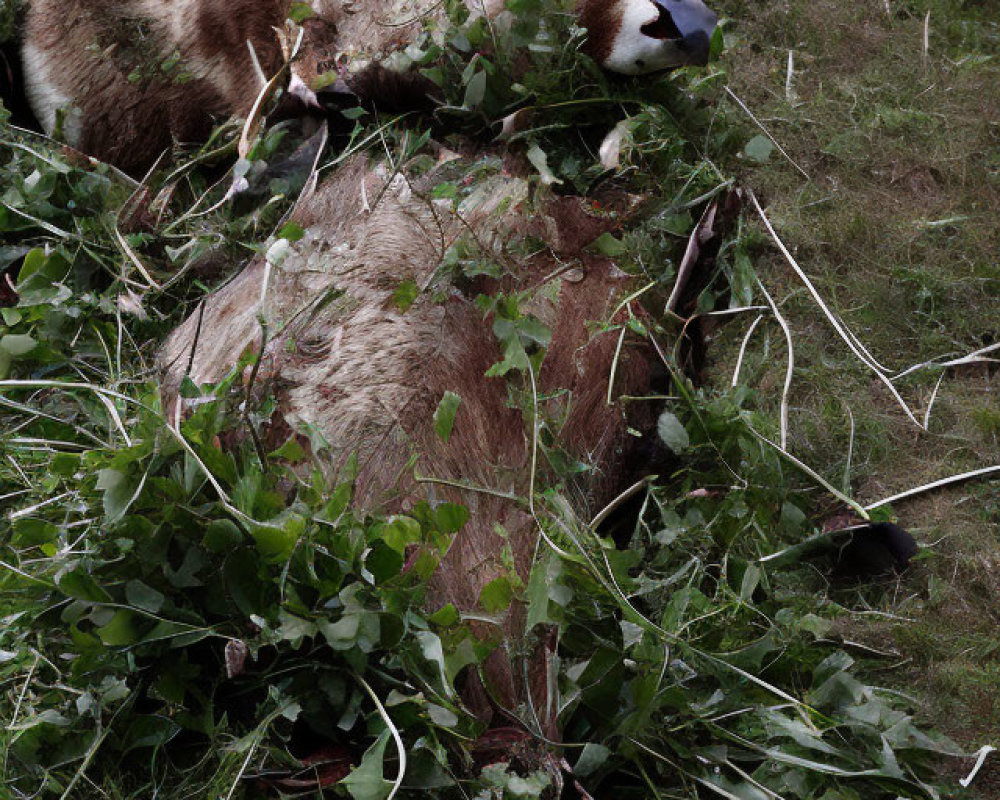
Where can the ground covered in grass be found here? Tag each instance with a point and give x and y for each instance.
(893, 110)
(187, 616)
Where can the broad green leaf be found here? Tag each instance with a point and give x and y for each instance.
(277, 538)
(672, 432)
(608, 245)
(433, 652)
(365, 781)
(759, 149)
(79, 584)
(118, 492)
(383, 561)
(450, 517)
(149, 730)
(221, 536)
(17, 344)
(444, 416)
(445, 616)
(291, 231)
(475, 90)
(496, 595)
(591, 759)
(399, 532)
(294, 629)
(142, 596)
(121, 630)
(290, 451)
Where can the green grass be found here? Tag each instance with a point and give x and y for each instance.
(899, 229)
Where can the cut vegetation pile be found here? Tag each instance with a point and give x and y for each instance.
(189, 614)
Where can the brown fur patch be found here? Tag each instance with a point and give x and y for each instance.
(370, 375)
(603, 22)
(137, 87)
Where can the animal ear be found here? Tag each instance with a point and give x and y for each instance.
(663, 27)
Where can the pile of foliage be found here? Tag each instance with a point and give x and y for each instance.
(185, 615)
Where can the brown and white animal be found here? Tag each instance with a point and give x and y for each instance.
(128, 77)
(344, 358)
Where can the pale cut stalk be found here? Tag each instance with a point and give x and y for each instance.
(767, 133)
(255, 62)
(789, 371)
(837, 325)
(930, 403)
(743, 350)
(984, 751)
(690, 258)
(857, 507)
(395, 736)
(850, 451)
(928, 487)
(634, 296)
(41, 223)
(136, 261)
(975, 357)
(254, 118)
(636, 487)
(863, 348)
(26, 575)
(790, 77)
(614, 363)
(27, 512)
(927, 36)
(727, 312)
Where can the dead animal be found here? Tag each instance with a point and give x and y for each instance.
(123, 80)
(343, 356)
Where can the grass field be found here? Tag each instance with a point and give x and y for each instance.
(893, 110)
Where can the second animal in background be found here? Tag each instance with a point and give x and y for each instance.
(122, 81)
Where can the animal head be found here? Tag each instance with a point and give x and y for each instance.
(633, 37)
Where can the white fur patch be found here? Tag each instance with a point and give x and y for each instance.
(633, 52)
(46, 98)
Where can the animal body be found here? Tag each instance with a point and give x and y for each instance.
(124, 79)
(343, 357)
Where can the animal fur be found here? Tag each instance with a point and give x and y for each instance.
(134, 76)
(130, 78)
(343, 358)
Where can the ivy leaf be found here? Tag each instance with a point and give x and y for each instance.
(759, 149)
(475, 90)
(444, 416)
(118, 492)
(496, 595)
(365, 781)
(17, 344)
(140, 595)
(672, 432)
(608, 245)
